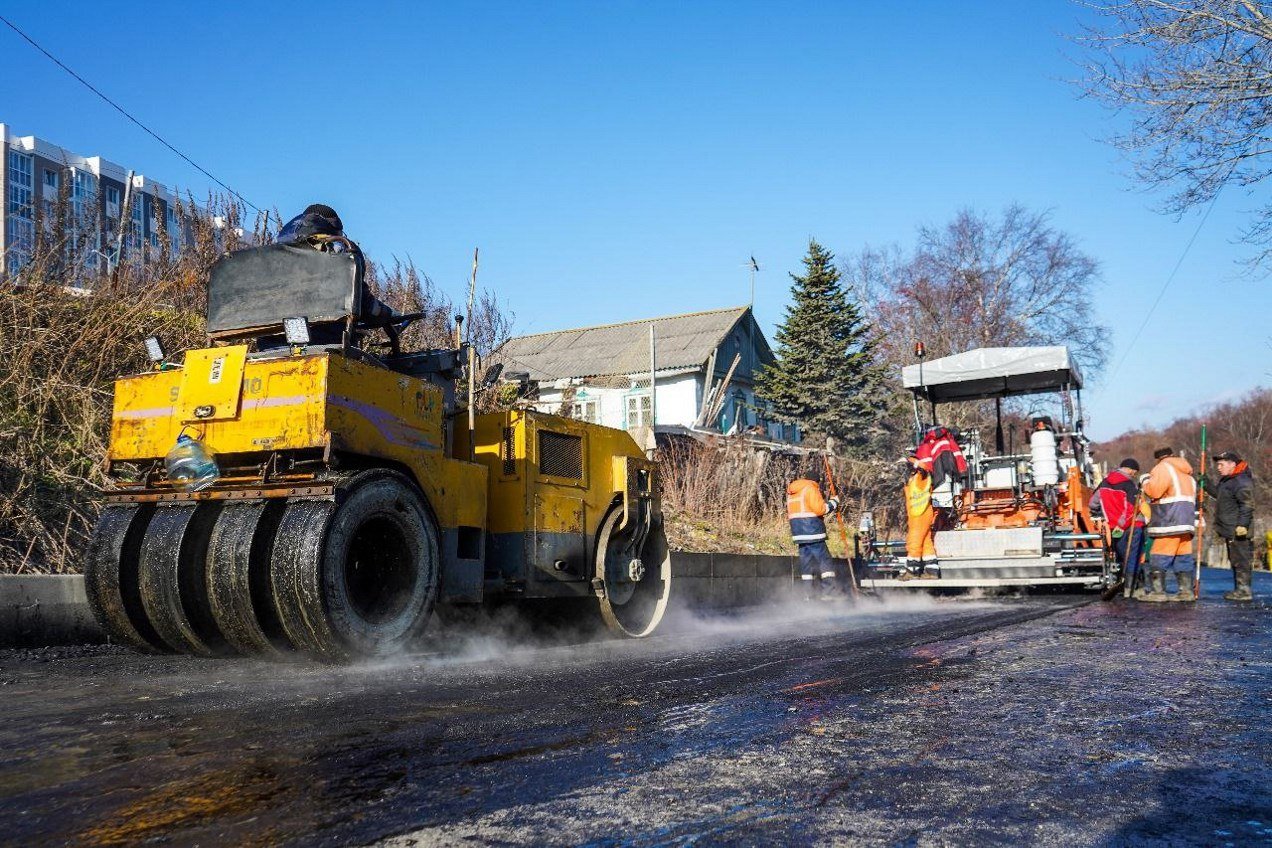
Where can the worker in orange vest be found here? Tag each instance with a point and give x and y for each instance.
(1172, 494)
(920, 548)
(807, 511)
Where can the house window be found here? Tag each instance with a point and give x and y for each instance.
(50, 182)
(83, 211)
(638, 411)
(586, 410)
(20, 232)
(83, 190)
(174, 231)
(112, 202)
(137, 229)
(19, 184)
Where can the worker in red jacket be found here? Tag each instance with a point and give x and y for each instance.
(1116, 499)
(942, 456)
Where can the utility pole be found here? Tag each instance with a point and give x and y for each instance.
(472, 363)
(653, 387)
(755, 267)
(125, 220)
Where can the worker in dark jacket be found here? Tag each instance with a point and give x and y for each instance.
(1234, 513)
(807, 511)
(1117, 497)
(321, 228)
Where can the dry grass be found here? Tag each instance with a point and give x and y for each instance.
(726, 495)
(61, 353)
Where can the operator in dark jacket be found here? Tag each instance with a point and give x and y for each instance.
(1234, 512)
(321, 228)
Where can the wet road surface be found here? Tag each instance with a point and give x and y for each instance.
(1043, 720)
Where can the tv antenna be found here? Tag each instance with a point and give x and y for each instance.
(755, 269)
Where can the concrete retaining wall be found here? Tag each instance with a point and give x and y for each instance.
(725, 581)
(46, 609)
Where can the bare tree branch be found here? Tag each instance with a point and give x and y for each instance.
(1196, 78)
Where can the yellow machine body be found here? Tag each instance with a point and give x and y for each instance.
(552, 483)
(521, 518)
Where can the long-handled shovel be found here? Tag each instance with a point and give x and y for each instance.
(1125, 586)
(843, 530)
(1201, 516)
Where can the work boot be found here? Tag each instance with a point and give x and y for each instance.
(1187, 588)
(929, 570)
(1241, 577)
(910, 570)
(829, 591)
(1130, 590)
(1156, 593)
(810, 588)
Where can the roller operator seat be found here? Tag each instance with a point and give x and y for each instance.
(252, 292)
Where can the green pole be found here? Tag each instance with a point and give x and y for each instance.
(1201, 513)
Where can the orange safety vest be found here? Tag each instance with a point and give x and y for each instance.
(1174, 498)
(805, 507)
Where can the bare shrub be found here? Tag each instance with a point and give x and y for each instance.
(1192, 76)
(62, 352)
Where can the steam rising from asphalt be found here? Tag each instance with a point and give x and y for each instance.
(791, 615)
(505, 646)
(506, 638)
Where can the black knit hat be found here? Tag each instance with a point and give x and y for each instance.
(1129, 463)
(1162, 453)
(1230, 456)
(324, 211)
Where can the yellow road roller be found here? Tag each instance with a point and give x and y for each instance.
(295, 489)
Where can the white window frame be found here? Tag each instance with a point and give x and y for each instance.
(588, 409)
(136, 228)
(19, 210)
(112, 202)
(637, 410)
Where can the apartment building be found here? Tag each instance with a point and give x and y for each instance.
(43, 184)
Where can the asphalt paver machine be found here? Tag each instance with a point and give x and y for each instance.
(1019, 516)
(341, 493)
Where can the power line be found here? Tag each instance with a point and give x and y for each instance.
(1170, 278)
(11, 25)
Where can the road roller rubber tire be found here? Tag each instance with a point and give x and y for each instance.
(174, 591)
(111, 579)
(630, 609)
(239, 589)
(357, 578)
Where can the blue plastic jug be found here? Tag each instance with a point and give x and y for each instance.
(191, 464)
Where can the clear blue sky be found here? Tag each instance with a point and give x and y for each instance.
(622, 160)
